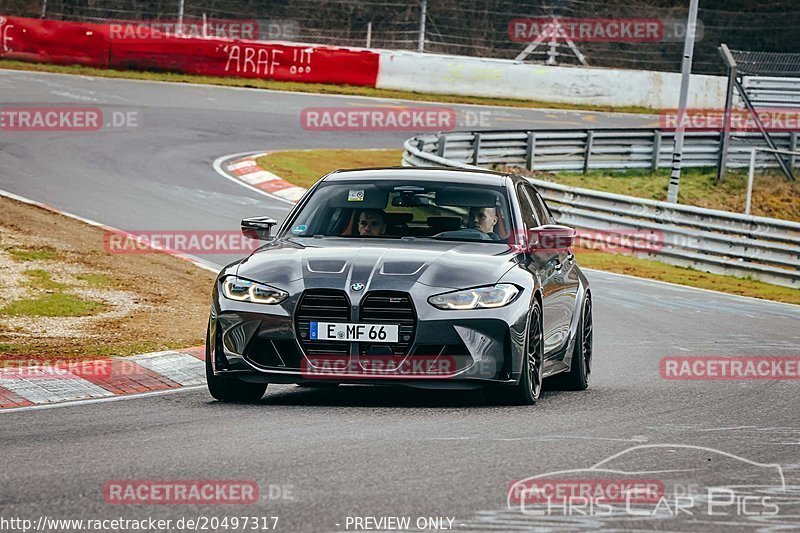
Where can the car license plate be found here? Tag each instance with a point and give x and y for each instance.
(333, 331)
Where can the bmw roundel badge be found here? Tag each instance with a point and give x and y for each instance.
(357, 286)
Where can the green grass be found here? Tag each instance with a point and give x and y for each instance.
(773, 195)
(318, 88)
(96, 280)
(304, 167)
(52, 305)
(6, 349)
(41, 279)
(24, 254)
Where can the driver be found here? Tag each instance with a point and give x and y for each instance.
(483, 219)
(372, 223)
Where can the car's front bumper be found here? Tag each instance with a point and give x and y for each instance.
(450, 349)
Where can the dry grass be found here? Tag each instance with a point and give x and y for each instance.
(62, 295)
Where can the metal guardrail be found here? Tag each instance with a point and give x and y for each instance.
(768, 91)
(599, 149)
(714, 241)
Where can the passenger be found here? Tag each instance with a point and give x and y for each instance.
(372, 223)
(483, 219)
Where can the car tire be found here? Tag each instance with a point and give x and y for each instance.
(529, 386)
(231, 389)
(581, 363)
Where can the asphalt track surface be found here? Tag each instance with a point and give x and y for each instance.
(373, 451)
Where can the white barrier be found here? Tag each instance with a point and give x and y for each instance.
(501, 78)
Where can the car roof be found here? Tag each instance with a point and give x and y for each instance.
(457, 175)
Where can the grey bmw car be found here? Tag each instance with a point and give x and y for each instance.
(432, 278)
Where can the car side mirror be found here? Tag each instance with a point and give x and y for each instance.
(258, 228)
(551, 238)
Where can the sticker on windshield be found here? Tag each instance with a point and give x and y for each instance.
(299, 230)
(355, 195)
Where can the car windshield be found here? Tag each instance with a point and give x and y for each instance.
(399, 208)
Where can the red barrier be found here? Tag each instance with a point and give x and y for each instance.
(50, 41)
(89, 44)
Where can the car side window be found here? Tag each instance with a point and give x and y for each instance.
(542, 211)
(528, 214)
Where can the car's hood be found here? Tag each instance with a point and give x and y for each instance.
(379, 264)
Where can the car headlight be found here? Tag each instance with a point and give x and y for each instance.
(243, 290)
(480, 298)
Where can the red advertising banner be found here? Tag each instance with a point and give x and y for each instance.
(57, 42)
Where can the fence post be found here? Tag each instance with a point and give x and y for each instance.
(44, 9)
(587, 155)
(441, 142)
(750, 177)
(180, 18)
(423, 13)
(725, 135)
(656, 148)
(476, 148)
(792, 148)
(530, 150)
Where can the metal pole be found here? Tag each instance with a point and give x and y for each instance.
(551, 60)
(725, 136)
(369, 34)
(686, 72)
(750, 181)
(180, 17)
(44, 8)
(423, 5)
(205, 26)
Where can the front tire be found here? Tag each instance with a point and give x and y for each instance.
(231, 389)
(529, 387)
(581, 364)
